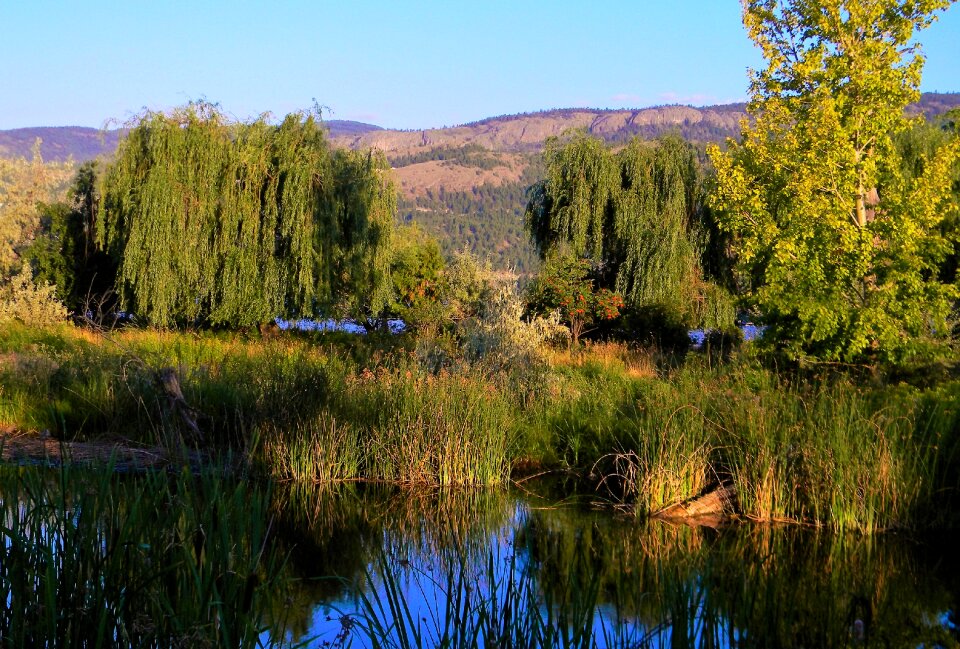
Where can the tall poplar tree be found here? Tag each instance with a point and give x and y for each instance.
(227, 224)
(841, 247)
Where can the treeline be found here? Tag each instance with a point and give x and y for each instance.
(206, 223)
(486, 220)
(199, 221)
(468, 155)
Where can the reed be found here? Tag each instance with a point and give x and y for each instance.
(826, 451)
(100, 560)
(830, 450)
(319, 450)
(424, 428)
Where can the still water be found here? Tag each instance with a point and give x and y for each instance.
(509, 567)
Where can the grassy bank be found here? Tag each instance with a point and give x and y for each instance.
(829, 451)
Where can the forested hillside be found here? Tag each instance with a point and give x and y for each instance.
(487, 218)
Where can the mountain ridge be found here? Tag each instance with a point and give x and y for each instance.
(516, 133)
(467, 184)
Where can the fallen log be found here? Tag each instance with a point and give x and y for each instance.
(713, 506)
(42, 449)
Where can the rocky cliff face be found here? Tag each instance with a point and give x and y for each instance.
(520, 133)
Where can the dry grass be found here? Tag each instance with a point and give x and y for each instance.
(610, 357)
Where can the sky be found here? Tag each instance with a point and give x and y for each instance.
(395, 63)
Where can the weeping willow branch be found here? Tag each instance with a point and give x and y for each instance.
(233, 224)
(635, 214)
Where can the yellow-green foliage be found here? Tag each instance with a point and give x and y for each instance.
(32, 304)
(843, 247)
(23, 184)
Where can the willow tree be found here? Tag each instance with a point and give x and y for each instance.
(229, 224)
(636, 215)
(842, 247)
(361, 209)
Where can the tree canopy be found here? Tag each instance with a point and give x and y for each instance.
(233, 224)
(64, 251)
(24, 184)
(841, 247)
(636, 214)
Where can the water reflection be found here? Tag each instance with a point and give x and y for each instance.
(514, 568)
(622, 581)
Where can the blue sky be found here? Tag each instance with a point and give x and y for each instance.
(397, 64)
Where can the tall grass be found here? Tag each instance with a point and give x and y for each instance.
(317, 450)
(404, 426)
(824, 451)
(93, 559)
(429, 428)
(828, 451)
(301, 411)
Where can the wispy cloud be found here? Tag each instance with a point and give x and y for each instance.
(696, 99)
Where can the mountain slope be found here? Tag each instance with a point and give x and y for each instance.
(58, 143)
(507, 133)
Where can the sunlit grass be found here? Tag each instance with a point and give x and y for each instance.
(827, 451)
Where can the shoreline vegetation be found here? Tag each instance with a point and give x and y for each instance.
(833, 224)
(646, 432)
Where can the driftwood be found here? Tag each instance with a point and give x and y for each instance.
(177, 406)
(712, 507)
(31, 448)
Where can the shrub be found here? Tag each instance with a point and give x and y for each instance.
(503, 338)
(32, 304)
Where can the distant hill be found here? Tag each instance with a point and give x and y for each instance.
(82, 143)
(935, 103)
(345, 127)
(58, 143)
(467, 184)
(527, 132)
(522, 133)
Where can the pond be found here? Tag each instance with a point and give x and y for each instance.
(158, 559)
(513, 568)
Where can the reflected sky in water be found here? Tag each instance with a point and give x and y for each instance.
(645, 583)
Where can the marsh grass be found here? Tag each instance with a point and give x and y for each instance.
(424, 428)
(100, 560)
(825, 451)
(319, 450)
(830, 450)
(609, 357)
